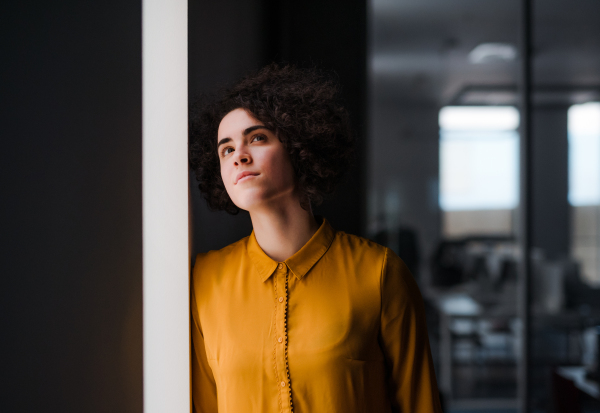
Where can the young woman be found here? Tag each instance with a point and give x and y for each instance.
(297, 316)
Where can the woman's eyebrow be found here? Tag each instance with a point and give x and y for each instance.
(222, 141)
(253, 128)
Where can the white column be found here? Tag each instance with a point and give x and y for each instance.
(165, 206)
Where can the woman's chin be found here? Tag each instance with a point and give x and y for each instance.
(261, 199)
(256, 205)
(252, 204)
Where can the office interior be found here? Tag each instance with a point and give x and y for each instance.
(478, 162)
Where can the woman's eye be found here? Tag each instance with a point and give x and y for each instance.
(258, 137)
(226, 151)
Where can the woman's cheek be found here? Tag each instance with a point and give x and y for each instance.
(226, 182)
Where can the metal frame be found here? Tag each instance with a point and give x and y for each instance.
(525, 210)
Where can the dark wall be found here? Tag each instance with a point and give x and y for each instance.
(226, 40)
(230, 38)
(332, 35)
(71, 294)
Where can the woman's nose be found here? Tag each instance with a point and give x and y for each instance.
(243, 159)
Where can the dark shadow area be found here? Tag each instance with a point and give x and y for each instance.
(71, 319)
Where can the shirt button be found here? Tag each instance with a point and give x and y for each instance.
(280, 339)
(280, 266)
(281, 299)
(283, 384)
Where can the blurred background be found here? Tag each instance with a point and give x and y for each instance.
(478, 126)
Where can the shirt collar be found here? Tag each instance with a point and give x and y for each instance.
(299, 263)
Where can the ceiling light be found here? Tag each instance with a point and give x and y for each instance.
(493, 52)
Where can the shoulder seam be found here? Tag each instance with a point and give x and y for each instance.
(360, 238)
(221, 250)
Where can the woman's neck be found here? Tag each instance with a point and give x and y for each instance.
(281, 231)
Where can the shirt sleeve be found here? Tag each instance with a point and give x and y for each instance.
(403, 337)
(204, 390)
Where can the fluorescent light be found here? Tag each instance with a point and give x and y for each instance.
(479, 118)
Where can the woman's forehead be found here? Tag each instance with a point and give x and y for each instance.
(235, 122)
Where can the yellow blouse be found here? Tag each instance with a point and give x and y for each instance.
(337, 327)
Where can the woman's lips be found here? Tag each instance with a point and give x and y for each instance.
(245, 175)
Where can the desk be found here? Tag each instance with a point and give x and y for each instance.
(464, 318)
(450, 306)
(577, 375)
(460, 309)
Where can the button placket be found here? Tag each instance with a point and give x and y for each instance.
(280, 351)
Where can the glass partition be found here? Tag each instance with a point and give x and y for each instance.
(565, 164)
(444, 181)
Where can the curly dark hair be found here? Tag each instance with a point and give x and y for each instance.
(302, 106)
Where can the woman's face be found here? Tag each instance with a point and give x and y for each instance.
(255, 167)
